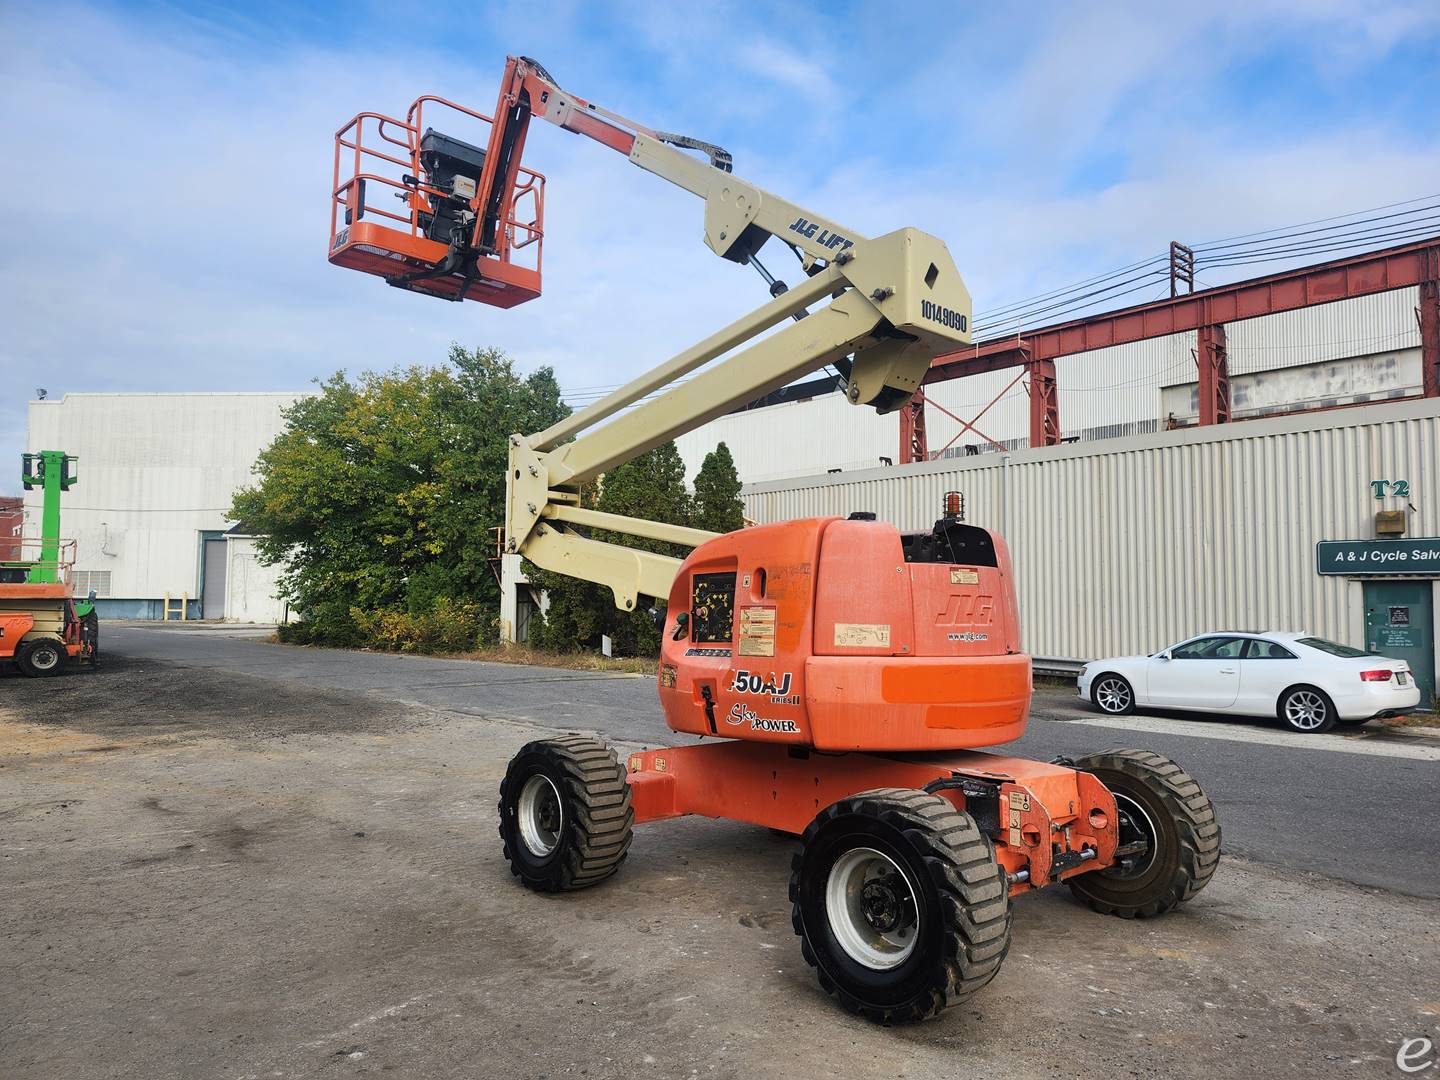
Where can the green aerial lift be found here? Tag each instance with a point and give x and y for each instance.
(42, 626)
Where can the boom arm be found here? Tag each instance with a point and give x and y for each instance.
(892, 303)
(739, 217)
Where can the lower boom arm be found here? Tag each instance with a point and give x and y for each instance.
(897, 302)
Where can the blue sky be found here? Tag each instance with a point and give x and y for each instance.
(166, 165)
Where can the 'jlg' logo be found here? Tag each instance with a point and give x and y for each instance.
(967, 610)
(812, 230)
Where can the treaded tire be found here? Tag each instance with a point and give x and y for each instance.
(1188, 846)
(42, 659)
(962, 903)
(595, 817)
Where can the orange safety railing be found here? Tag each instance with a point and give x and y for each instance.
(26, 554)
(379, 150)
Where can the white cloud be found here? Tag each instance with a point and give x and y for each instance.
(796, 71)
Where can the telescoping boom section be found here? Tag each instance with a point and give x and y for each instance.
(841, 674)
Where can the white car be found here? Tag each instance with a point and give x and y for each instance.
(1309, 683)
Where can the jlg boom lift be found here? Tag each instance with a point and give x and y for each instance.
(838, 672)
(43, 628)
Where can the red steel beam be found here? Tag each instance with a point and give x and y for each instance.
(1430, 327)
(1044, 404)
(1342, 279)
(913, 444)
(1213, 361)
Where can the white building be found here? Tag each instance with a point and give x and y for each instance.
(157, 473)
(1124, 546)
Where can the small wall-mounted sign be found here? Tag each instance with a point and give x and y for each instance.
(1397, 489)
(1389, 522)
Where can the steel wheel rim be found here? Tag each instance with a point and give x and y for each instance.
(872, 909)
(1144, 823)
(44, 657)
(1112, 695)
(540, 814)
(1305, 710)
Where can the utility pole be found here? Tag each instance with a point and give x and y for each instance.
(1182, 268)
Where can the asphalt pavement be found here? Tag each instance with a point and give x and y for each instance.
(1357, 806)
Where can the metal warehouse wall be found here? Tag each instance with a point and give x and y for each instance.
(1104, 393)
(1128, 545)
(156, 471)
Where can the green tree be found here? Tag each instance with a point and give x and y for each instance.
(379, 496)
(651, 486)
(718, 506)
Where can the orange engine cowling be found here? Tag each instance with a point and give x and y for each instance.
(842, 634)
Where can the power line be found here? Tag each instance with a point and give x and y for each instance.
(1361, 223)
(1317, 221)
(1078, 285)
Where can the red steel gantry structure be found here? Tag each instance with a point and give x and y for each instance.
(1206, 313)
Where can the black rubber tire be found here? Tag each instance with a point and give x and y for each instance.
(1188, 847)
(595, 813)
(41, 659)
(1325, 725)
(90, 635)
(962, 903)
(1129, 691)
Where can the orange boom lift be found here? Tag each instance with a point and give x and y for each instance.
(839, 674)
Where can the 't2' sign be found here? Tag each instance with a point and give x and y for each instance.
(1400, 489)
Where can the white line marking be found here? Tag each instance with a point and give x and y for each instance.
(1237, 733)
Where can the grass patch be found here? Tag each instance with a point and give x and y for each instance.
(1054, 682)
(517, 654)
(576, 661)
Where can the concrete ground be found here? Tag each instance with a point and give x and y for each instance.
(245, 862)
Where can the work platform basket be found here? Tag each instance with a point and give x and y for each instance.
(455, 228)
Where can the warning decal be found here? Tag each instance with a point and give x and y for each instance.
(757, 631)
(862, 635)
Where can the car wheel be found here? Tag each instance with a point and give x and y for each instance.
(1307, 709)
(1112, 694)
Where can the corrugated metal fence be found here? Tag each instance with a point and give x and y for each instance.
(1128, 545)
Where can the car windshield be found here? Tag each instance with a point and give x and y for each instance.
(1331, 647)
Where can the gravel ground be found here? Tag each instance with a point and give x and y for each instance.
(207, 874)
